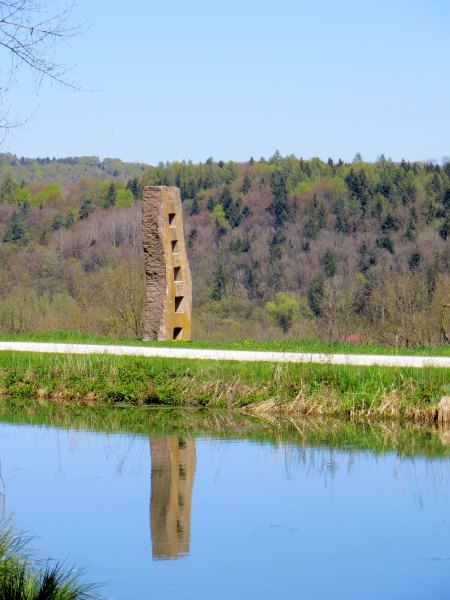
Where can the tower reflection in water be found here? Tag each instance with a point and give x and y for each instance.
(173, 468)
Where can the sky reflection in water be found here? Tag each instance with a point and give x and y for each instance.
(238, 519)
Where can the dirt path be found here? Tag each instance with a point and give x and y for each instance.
(242, 355)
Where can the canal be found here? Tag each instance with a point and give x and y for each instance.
(233, 509)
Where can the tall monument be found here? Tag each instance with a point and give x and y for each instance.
(168, 278)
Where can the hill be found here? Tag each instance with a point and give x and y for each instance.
(283, 247)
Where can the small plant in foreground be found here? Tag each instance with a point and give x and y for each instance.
(22, 578)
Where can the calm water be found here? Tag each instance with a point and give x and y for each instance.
(154, 516)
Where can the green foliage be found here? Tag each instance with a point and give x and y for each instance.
(358, 187)
(49, 195)
(8, 189)
(315, 219)
(367, 258)
(59, 220)
(220, 284)
(329, 263)
(231, 208)
(124, 198)
(240, 245)
(390, 223)
(315, 295)
(134, 186)
(110, 197)
(414, 261)
(195, 208)
(279, 208)
(283, 309)
(385, 242)
(16, 231)
(275, 239)
(246, 184)
(86, 209)
(23, 579)
(220, 221)
(321, 388)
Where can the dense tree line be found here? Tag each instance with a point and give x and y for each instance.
(278, 247)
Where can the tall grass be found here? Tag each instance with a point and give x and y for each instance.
(22, 578)
(306, 388)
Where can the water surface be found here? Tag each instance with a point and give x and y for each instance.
(165, 514)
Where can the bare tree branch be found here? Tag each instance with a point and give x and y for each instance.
(30, 32)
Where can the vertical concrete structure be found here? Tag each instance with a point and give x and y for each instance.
(172, 479)
(168, 303)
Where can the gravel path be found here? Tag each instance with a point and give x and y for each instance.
(242, 355)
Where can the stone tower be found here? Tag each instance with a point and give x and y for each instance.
(168, 278)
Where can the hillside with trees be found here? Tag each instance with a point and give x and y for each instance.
(278, 248)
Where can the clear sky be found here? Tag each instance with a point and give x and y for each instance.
(188, 80)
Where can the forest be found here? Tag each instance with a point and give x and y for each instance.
(279, 248)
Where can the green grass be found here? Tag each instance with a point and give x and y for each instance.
(306, 345)
(305, 388)
(22, 578)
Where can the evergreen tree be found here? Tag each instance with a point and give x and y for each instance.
(8, 189)
(16, 231)
(134, 187)
(246, 184)
(279, 207)
(191, 237)
(414, 261)
(58, 221)
(86, 209)
(329, 263)
(315, 295)
(110, 198)
(231, 208)
(219, 288)
(195, 207)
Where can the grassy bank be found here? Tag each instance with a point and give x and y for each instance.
(263, 387)
(305, 345)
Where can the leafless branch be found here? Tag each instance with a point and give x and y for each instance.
(30, 32)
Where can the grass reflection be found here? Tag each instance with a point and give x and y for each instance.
(405, 439)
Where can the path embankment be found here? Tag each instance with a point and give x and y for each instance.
(235, 355)
(406, 387)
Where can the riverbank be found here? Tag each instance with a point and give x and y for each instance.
(262, 387)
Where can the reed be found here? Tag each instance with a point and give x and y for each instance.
(24, 578)
(290, 388)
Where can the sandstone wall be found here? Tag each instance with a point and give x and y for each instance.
(168, 278)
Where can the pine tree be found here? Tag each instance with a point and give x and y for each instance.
(279, 207)
(8, 189)
(110, 198)
(16, 231)
(195, 207)
(219, 288)
(86, 209)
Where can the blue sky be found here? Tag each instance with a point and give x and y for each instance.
(231, 80)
